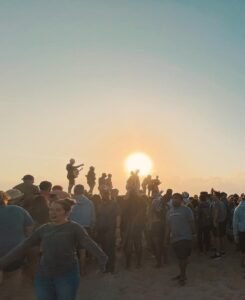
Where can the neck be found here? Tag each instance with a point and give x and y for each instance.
(61, 222)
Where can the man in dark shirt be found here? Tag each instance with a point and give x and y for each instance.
(72, 173)
(28, 189)
(106, 228)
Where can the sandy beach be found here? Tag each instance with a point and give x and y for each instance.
(207, 280)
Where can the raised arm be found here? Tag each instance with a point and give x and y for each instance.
(20, 250)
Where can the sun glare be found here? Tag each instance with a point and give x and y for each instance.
(139, 161)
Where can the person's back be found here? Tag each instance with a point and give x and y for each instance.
(107, 215)
(83, 211)
(221, 211)
(180, 223)
(39, 210)
(239, 218)
(13, 222)
(204, 214)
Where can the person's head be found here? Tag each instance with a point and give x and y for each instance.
(177, 200)
(45, 186)
(109, 175)
(105, 195)
(114, 193)
(28, 179)
(169, 192)
(57, 188)
(242, 198)
(91, 168)
(202, 197)
(59, 210)
(223, 196)
(14, 195)
(3, 198)
(72, 161)
(103, 175)
(79, 190)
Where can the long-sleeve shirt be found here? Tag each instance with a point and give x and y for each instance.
(59, 244)
(83, 212)
(239, 219)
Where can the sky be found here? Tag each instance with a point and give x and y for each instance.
(98, 80)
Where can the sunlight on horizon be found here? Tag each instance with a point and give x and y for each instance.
(139, 161)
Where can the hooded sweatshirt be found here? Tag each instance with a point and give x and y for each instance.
(239, 219)
(83, 212)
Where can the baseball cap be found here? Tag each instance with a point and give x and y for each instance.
(28, 177)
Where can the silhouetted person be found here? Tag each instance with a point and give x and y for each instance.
(155, 186)
(157, 218)
(91, 179)
(108, 182)
(133, 222)
(102, 183)
(28, 189)
(133, 182)
(204, 223)
(145, 184)
(106, 228)
(72, 173)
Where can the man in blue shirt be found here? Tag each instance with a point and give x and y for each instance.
(239, 227)
(83, 211)
(180, 223)
(15, 226)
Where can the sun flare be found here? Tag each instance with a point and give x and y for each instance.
(139, 161)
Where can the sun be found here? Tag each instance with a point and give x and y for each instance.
(139, 161)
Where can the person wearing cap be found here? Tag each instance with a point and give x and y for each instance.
(28, 189)
(15, 226)
(239, 228)
(14, 196)
(72, 173)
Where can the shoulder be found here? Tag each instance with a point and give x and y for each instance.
(74, 225)
(16, 208)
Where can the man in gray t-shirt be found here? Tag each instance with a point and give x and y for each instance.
(180, 222)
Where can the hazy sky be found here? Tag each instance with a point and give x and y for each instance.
(98, 80)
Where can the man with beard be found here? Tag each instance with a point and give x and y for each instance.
(180, 222)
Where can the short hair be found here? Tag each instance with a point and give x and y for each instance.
(79, 189)
(178, 195)
(65, 203)
(57, 188)
(45, 186)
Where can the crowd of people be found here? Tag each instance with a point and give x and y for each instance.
(57, 233)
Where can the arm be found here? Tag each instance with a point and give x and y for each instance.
(20, 250)
(93, 215)
(235, 224)
(84, 241)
